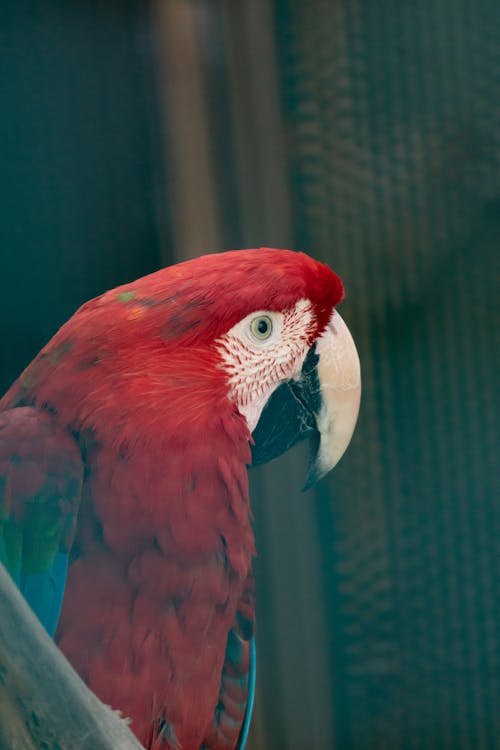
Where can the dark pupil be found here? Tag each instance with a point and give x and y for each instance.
(262, 326)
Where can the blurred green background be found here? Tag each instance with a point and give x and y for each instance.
(133, 134)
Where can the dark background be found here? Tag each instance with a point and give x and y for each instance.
(368, 134)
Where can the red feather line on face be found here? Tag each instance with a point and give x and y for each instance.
(164, 518)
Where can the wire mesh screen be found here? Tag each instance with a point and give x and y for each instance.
(392, 118)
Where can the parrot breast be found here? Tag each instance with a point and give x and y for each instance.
(162, 555)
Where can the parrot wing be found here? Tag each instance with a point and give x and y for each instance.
(41, 473)
(234, 710)
(237, 688)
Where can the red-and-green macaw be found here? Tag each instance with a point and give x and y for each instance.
(124, 449)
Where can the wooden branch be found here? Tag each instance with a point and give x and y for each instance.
(43, 702)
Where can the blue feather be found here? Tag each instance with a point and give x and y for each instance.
(44, 591)
(251, 695)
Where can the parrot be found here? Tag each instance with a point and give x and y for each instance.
(125, 447)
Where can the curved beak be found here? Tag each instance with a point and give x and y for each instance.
(323, 404)
(339, 376)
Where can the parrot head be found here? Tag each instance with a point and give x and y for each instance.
(292, 366)
(257, 328)
(266, 318)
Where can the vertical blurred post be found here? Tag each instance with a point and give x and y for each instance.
(193, 190)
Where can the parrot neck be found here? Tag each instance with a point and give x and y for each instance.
(175, 453)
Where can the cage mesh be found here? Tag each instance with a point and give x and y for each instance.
(392, 118)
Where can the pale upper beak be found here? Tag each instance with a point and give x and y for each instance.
(339, 376)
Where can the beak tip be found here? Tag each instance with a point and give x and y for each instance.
(311, 479)
(316, 472)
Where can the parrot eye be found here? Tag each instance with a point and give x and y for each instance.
(261, 327)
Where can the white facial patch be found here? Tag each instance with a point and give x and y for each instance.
(258, 359)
